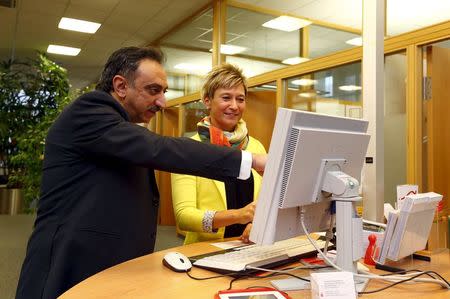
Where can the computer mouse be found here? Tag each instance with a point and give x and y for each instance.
(177, 262)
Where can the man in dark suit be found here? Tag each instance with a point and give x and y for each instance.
(99, 199)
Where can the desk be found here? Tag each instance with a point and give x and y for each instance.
(146, 277)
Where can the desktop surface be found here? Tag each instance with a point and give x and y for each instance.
(146, 277)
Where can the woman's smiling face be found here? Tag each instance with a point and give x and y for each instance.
(226, 107)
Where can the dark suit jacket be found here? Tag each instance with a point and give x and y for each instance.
(99, 200)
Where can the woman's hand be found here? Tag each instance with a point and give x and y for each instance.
(241, 216)
(245, 214)
(246, 234)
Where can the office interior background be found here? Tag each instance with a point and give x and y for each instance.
(314, 66)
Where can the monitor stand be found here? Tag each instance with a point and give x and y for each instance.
(349, 238)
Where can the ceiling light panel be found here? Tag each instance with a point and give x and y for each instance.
(286, 23)
(78, 25)
(63, 50)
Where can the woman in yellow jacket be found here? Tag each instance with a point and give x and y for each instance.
(209, 209)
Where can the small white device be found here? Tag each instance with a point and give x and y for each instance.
(177, 262)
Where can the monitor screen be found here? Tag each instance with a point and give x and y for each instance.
(303, 148)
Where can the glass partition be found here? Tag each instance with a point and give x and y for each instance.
(261, 111)
(324, 41)
(335, 91)
(188, 55)
(193, 112)
(395, 125)
(258, 47)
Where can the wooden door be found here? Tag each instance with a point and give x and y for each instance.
(438, 123)
(438, 137)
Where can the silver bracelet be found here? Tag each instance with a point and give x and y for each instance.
(207, 222)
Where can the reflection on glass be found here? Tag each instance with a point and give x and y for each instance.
(259, 49)
(193, 113)
(324, 41)
(394, 125)
(336, 91)
(188, 55)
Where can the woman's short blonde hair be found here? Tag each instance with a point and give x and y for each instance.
(223, 76)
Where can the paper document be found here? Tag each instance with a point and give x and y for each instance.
(391, 222)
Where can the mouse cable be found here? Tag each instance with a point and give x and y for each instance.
(210, 277)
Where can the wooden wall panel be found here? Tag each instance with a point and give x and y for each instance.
(260, 115)
(169, 128)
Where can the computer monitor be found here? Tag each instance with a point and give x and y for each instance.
(311, 157)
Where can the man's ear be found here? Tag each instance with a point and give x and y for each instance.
(120, 85)
(207, 102)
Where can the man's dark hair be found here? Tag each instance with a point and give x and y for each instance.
(125, 62)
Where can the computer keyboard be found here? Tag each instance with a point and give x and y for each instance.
(257, 256)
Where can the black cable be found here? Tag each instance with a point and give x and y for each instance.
(407, 271)
(266, 276)
(402, 281)
(251, 275)
(210, 277)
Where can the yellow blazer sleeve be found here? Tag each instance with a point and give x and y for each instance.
(184, 197)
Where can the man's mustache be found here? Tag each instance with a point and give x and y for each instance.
(154, 108)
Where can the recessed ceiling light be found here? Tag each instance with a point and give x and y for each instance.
(78, 25)
(230, 49)
(192, 67)
(294, 60)
(349, 87)
(357, 41)
(304, 82)
(286, 23)
(55, 49)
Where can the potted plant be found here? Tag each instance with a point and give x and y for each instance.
(32, 94)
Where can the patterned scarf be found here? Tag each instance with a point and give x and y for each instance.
(236, 139)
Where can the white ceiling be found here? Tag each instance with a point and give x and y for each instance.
(32, 26)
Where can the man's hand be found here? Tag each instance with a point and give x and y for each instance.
(259, 162)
